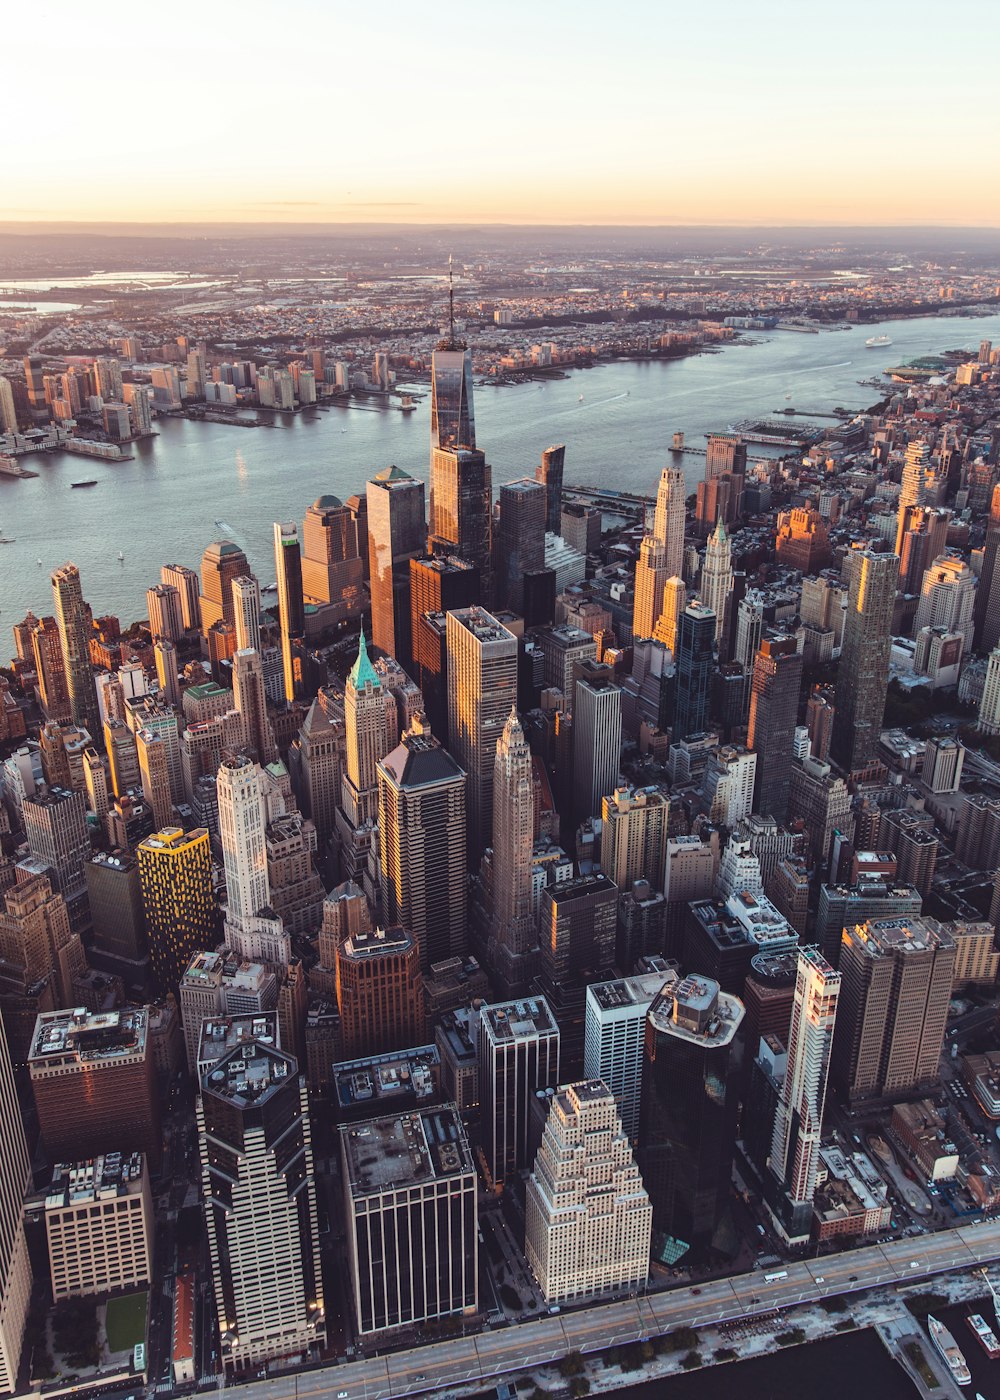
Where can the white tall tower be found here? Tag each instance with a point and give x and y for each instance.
(799, 1117)
(513, 838)
(668, 522)
(246, 612)
(242, 826)
(15, 1266)
(717, 575)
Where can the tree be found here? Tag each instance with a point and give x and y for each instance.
(691, 1361)
(572, 1364)
(579, 1386)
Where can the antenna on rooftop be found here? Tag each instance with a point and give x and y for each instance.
(451, 305)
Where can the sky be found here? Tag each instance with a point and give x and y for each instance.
(523, 111)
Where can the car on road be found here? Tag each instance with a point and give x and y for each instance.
(341, 1395)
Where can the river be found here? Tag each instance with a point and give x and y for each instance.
(163, 505)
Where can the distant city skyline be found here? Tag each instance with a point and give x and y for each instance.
(668, 116)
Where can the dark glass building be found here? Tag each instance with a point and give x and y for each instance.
(695, 665)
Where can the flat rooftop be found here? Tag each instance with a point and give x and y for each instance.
(382, 1079)
(519, 1020)
(630, 991)
(386, 1154)
(695, 1010)
(220, 1035)
(378, 943)
(98, 1179)
(89, 1036)
(248, 1075)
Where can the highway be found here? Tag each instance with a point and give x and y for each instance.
(457, 1362)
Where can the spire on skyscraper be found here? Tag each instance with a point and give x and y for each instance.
(362, 671)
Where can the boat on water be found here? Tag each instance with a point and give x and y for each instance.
(270, 588)
(877, 342)
(580, 399)
(948, 1349)
(76, 485)
(985, 1334)
(4, 539)
(121, 557)
(224, 525)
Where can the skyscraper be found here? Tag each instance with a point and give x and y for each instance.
(163, 603)
(668, 625)
(588, 1218)
(380, 992)
(397, 533)
(717, 576)
(986, 610)
(650, 577)
(518, 1055)
(634, 835)
(913, 488)
(175, 870)
(71, 619)
(332, 569)
(371, 729)
(513, 838)
(462, 508)
(259, 1193)
(15, 1266)
(799, 1119)
(668, 521)
(422, 844)
(222, 562)
(615, 1038)
(291, 607)
(51, 671)
(482, 690)
(947, 595)
(550, 474)
(154, 773)
(863, 672)
(246, 612)
(521, 539)
(896, 984)
(453, 419)
(597, 738)
(185, 580)
(774, 704)
(242, 826)
(250, 699)
(695, 660)
(687, 1118)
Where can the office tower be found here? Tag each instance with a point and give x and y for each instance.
(119, 939)
(482, 691)
(910, 837)
(896, 983)
(185, 580)
(246, 612)
(802, 541)
(99, 1226)
(695, 663)
(717, 576)
(154, 773)
(615, 1036)
(988, 721)
(242, 824)
(332, 569)
(51, 670)
(461, 519)
(380, 992)
(371, 729)
(913, 488)
(798, 1122)
(167, 663)
(514, 928)
(37, 944)
(725, 453)
(71, 619)
(822, 802)
(163, 603)
(223, 999)
(518, 1055)
(788, 890)
(872, 898)
(55, 825)
(175, 872)
(8, 424)
(397, 533)
(819, 722)
(453, 421)
(259, 1193)
(550, 474)
(563, 649)
(577, 924)
(774, 707)
(422, 844)
(863, 673)
(944, 758)
(668, 519)
(93, 1079)
(668, 624)
(986, 610)
(291, 607)
(729, 784)
(123, 760)
(15, 1266)
(319, 749)
(689, 1103)
(221, 563)
(250, 699)
(749, 628)
(136, 397)
(410, 1193)
(597, 738)
(650, 579)
(588, 1219)
(924, 538)
(520, 542)
(634, 835)
(95, 784)
(947, 595)
(107, 378)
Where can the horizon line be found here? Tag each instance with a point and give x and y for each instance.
(15, 224)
